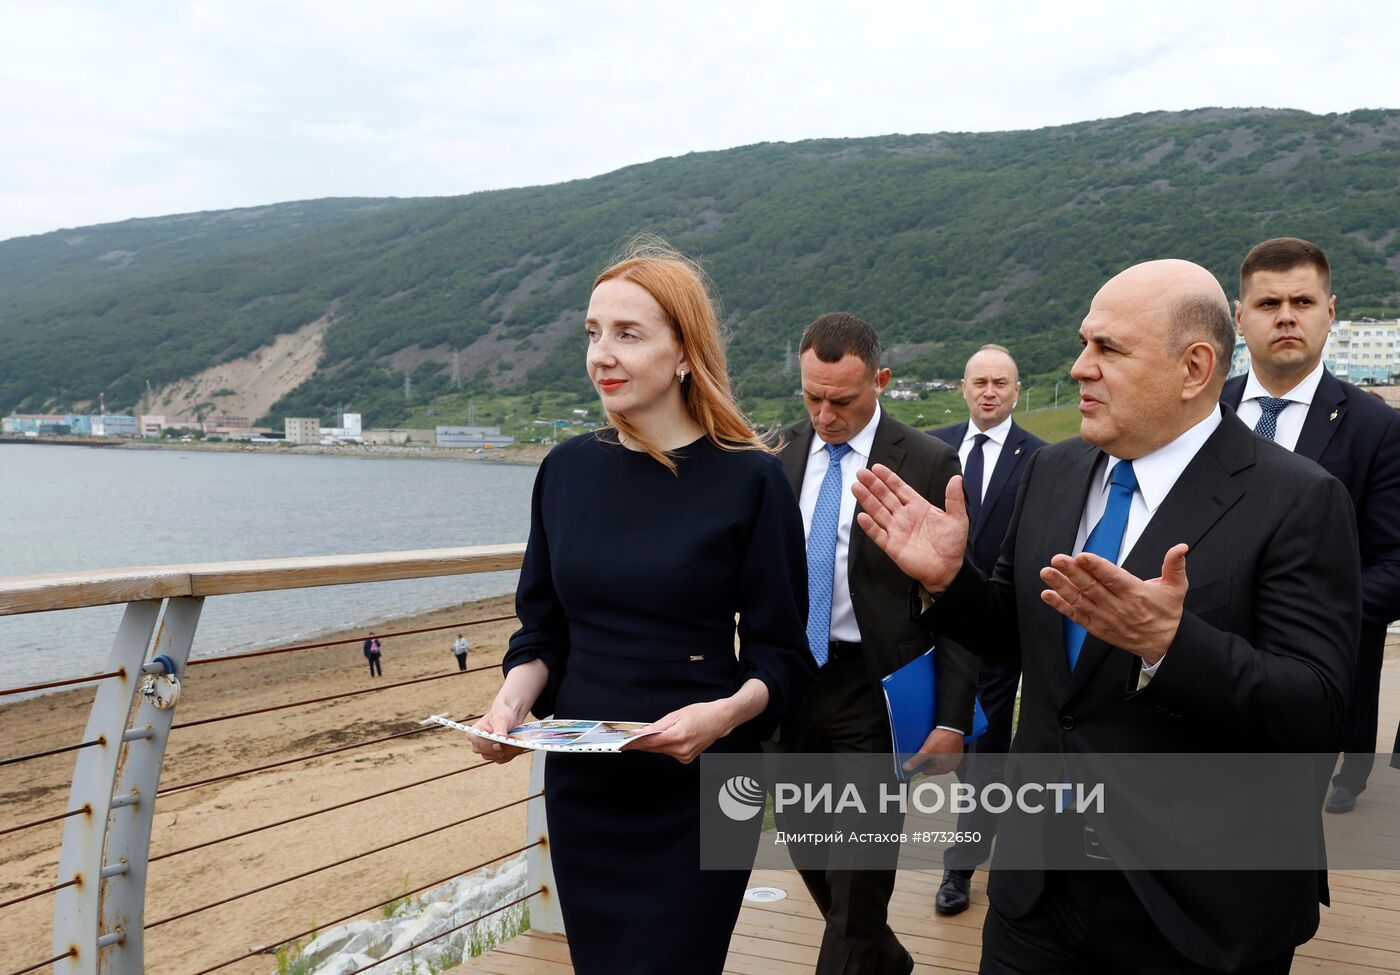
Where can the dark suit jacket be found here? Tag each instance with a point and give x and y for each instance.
(879, 591)
(994, 517)
(1262, 662)
(1356, 438)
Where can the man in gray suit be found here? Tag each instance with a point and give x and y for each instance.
(859, 628)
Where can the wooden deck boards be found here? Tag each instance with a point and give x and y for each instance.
(1360, 933)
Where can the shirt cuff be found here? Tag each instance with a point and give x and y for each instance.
(944, 727)
(1145, 677)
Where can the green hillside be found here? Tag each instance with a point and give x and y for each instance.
(944, 241)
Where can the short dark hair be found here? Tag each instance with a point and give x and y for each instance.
(1202, 318)
(1284, 254)
(838, 334)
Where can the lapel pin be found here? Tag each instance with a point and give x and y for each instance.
(1016, 452)
(1332, 417)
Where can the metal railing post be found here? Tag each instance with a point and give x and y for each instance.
(75, 916)
(544, 912)
(123, 901)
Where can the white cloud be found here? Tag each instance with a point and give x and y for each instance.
(122, 109)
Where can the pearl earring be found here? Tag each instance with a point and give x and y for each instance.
(682, 376)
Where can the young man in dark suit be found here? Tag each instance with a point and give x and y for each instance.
(858, 623)
(994, 452)
(1284, 313)
(1122, 652)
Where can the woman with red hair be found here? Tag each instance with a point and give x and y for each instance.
(647, 540)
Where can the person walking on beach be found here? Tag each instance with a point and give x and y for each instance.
(459, 650)
(372, 655)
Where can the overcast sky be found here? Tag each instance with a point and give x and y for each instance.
(116, 109)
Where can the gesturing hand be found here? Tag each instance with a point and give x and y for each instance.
(1140, 616)
(927, 544)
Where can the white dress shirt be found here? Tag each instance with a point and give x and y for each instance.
(1157, 474)
(1290, 421)
(843, 614)
(991, 450)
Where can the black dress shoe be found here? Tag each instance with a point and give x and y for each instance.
(1342, 800)
(952, 894)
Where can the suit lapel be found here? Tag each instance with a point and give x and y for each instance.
(1203, 493)
(1062, 521)
(794, 455)
(1007, 461)
(1233, 393)
(887, 449)
(1324, 417)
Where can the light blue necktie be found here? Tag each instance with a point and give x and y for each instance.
(821, 554)
(1105, 541)
(1269, 410)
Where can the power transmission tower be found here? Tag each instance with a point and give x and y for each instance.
(407, 386)
(471, 414)
(787, 358)
(456, 369)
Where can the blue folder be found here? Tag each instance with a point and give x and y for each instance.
(910, 700)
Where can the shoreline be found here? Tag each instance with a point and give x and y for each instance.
(522, 455)
(221, 686)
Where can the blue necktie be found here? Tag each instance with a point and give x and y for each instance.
(821, 554)
(1105, 541)
(972, 478)
(1269, 410)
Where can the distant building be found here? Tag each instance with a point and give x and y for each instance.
(34, 424)
(72, 424)
(113, 425)
(1366, 351)
(301, 429)
(1363, 352)
(155, 424)
(348, 431)
(224, 425)
(472, 437)
(399, 436)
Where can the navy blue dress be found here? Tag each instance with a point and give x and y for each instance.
(629, 590)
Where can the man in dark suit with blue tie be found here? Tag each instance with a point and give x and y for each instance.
(858, 624)
(1170, 583)
(994, 452)
(1284, 313)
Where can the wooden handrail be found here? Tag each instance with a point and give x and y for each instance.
(101, 587)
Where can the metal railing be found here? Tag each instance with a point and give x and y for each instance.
(101, 883)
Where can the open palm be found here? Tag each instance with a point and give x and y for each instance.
(926, 543)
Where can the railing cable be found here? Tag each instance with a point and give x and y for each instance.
(47, 819)
(329, 697)
(61, 683)
(302, 758)
(52, 751)
(341, 643)
(315, 812)
(343, 918)
(37, 893)
(43, 964)
(338, 863)
(451, 930)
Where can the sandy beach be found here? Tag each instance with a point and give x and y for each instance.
(39, 788)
